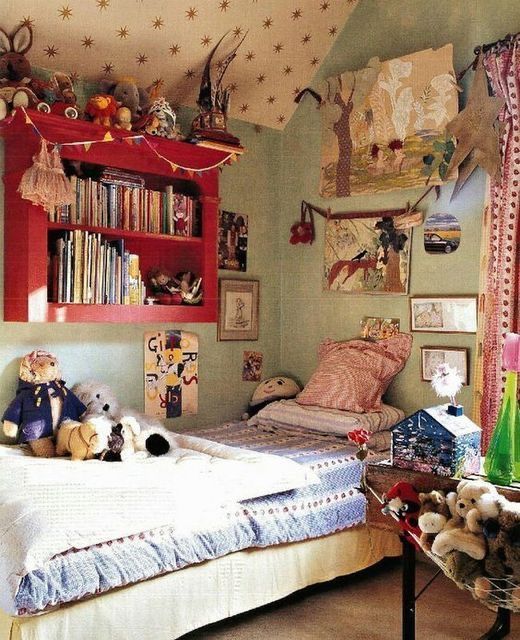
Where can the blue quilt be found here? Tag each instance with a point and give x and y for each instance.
(332, 505)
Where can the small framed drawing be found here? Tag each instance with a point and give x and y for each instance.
(238, 309)
(449, 314)
(432, 357)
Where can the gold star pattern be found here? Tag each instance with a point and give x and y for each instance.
(87, 42)
(271, 99)
(296, 91)
(233, 87)
(205, 41)
(250, 55)
(287, 70)
(237, 32)
(306, 38)
(224, 5)
(158, 22)
(324, 6)
(278, 47)
(474, 128)
(244, 107)
(192, 13)
(296, 14)
(51, 51)
(65, 13)
(74, 77)
(281, 118)
(260, 78)
(141, 59)
(314, 61)
(103, 4)
(108, 67)
(158, 83)
(189, 74)
(27, 21)
(333, 30)
(123, 32)
(174, 49)
(267, 23)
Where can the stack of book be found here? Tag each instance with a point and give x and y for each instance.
(85, 268)
(119, 200)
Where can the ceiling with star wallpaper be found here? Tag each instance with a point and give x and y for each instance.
(168, 42)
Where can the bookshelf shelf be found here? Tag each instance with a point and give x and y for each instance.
(30, 237)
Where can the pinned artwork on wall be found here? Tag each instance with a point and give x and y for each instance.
(441, 233)
(366, 254)
(232, 241)
(384, 127)
(447, 314)
(379, 328)
(252, 366)
(171, 373)
(432, 357)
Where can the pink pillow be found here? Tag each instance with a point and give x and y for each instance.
(354, 375)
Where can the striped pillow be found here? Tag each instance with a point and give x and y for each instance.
(353, 375)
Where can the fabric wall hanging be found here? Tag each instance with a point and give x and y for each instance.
(367, 253)
(383, 127)
(171, 373)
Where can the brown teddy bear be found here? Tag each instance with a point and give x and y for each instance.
(433, 516)
(83, 440)
(41, 404)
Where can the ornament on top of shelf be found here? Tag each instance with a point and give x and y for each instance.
(447, 382)
(161, 121)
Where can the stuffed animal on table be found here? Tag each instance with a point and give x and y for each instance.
(100, 399)
(433, 516)
(41, 404)
(270, 390)
(83, 440)
(102, 109)
(402, 503)
(121, 446)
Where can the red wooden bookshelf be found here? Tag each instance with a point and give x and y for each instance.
(28, 233)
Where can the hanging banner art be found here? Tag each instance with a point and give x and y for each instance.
(171, 375)
(384, 127)
(366, 254)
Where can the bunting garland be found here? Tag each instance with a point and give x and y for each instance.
(136, 139)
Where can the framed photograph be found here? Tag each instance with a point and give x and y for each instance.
(432, 357)
(450, 314)
(238, 309)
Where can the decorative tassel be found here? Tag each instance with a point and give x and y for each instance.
(45, 183)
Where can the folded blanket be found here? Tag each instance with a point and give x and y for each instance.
(48, 506)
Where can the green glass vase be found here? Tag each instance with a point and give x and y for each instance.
(502, 463)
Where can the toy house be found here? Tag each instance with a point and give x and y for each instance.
(433, 441)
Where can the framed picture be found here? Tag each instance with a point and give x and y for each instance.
(450, 314)
(379, 328)
(232, 241)
(238, 310)
(432, 357)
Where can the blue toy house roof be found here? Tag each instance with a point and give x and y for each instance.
(456, 426)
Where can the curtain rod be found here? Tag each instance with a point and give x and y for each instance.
(498, 44)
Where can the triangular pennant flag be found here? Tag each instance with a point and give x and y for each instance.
(174, 167)
(138, 140)
(190, 172)
(129, 140)
(107, 137)
(27, 119)
(87, 145)
(234, 157)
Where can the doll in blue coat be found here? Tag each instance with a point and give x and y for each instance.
(41, 404)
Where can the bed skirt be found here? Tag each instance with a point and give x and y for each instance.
(171, 605)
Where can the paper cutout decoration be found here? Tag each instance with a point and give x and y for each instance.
(252, 366)
(476, 132)
(171, 373)
(379, 123)
(441, 233)
(375, 328)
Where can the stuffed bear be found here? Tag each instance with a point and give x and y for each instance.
(433, 516)
(270, 390)
(41, 404)
(101, 400)
(402, 502)
(127, 94)
(121, 444)
(83, 440)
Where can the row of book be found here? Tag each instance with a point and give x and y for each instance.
(128, 205)
(85, 268)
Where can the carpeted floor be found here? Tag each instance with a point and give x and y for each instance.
(363, 607)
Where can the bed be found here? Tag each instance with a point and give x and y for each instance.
(157, 583)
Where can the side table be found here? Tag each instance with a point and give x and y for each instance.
(380, 477)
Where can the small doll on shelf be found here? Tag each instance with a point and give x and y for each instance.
(164, 287)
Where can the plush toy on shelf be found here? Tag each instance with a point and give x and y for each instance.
(164, 287)
(402, 503)
(83, 440)
(41, 404)
(123, 119)
(59, 97)
(102, 109)
(127, 94)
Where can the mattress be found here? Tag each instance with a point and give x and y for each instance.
(334, 504)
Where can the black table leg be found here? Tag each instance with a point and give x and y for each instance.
(502, 626)
(408, 590)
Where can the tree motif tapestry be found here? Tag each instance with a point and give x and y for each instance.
(383, 127)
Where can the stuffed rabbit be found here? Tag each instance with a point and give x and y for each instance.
(16, 84)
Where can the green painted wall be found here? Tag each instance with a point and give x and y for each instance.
(387, 29)
(114, 353)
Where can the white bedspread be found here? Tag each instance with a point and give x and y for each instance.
(48, 506)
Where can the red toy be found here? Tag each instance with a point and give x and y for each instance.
(402, 502)
(102, 109)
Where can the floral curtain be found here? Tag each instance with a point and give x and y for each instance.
(500, 292)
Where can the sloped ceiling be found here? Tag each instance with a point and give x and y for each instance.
(170, 40)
